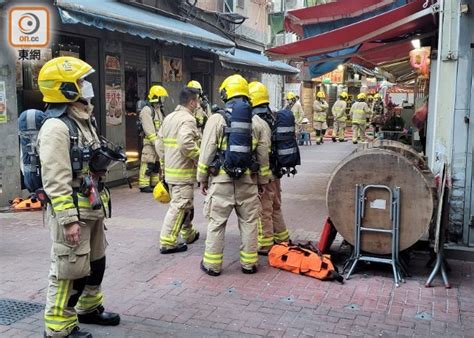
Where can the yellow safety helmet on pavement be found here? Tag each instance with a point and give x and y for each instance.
(290, 96)
(343, 95)
(59, 79)
(258, 94)
(361, 96)
(195, 84)
(232, 86)
(156, 92)
(321, 94)
(161, 193)
(377, 96)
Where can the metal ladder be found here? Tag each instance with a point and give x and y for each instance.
(357, 256)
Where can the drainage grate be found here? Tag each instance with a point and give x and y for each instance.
(12, 310)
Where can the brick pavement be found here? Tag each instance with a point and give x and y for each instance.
(169, 296)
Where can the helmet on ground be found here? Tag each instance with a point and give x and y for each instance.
(321, 94)
(290, 96)
(377, 96)
(258, 93)
(156, 92)
(161, 193)
(232, 86)
(59, 79)
(195, 84)
(343, 95)
(361, 96)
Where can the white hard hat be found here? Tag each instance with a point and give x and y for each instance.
(305, 121)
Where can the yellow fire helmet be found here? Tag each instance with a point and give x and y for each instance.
(377, 96)
(321, 94)
(232, 86)
(258, 94)
(156, 92)
(370, 97)
(361, 96)
(194, 84)
(58, 79)
(290, 96)
(343, 95)
(161, 193)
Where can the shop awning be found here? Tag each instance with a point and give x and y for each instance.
(245, 60)
(120, 17)
(399, 23)
(342, 9)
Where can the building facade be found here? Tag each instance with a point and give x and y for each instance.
(134, 45)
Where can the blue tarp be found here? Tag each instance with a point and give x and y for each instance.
(116, 16)
(316, 29)
(243, 59)
(319, 69)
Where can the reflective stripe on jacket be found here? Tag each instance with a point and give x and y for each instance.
(359, 112)
(214, 138)
(178, 146)
(56, 172)
(320, 110)
(339, 110)
(151, 123)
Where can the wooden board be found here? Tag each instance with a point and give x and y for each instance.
(385, 167)
(397, 147)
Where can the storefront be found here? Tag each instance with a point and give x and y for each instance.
(131, 49)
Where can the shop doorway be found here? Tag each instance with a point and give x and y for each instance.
(136, 85)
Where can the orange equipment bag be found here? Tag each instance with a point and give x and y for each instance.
(304, 260)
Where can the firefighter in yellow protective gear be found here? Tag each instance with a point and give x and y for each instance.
(225, 193)
(358, 113)
(178, 148)
(320, 109)
(151, 117)
(339, 113)
(370, 103)
(295, 106)
(77, 230)
(272, 227)
(377, 113)
(203, 111)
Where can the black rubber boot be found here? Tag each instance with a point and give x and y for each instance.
(75, 333)
(249, 271)
(146, 189)
(181, 247)
(208, 271)
(100, 317)
(334, 139)
(196, 237)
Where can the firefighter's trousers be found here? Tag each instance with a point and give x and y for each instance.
(75, 276)
(320, 128)
(221, 200)
(179, 216)
(358, 131)
(339, 129)
(271, 228)
(149, 167)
